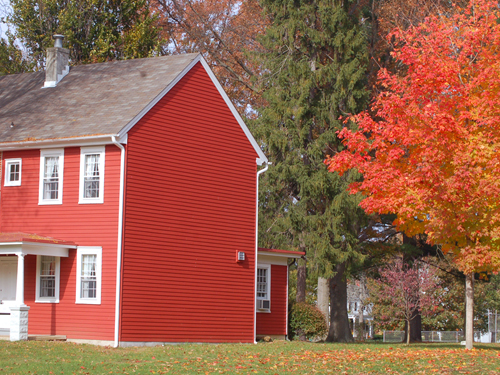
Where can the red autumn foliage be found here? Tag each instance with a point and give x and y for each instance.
(406, 289)
(431, 153)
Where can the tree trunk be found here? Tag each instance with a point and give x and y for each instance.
(363, 294)
(362, 327)
(301, 290)
(469, 311)
(408, 324)
(415, 327)
(323, 297)
(339, 321)
(301, 281)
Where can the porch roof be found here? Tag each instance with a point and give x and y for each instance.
(35, 244)
(281, 253)
(30, 237)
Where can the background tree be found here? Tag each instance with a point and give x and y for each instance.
(315, 73)
(385, 16)
(12, 59)
(94, 30)
(447, 312)
(405, 288)
(430, 155)
(492, 293)
(225, 32)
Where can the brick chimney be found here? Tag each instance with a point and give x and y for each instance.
(56, 66)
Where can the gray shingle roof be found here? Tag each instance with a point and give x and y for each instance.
(95, 99)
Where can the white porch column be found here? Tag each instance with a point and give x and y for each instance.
(20, 280)
(19, 313)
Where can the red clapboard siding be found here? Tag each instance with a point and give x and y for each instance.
(274, 323)
(190, 204)
(84, 224)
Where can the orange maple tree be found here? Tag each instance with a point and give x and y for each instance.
(429, 150)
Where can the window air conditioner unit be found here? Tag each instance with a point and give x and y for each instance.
(263, 304)
(240, 256)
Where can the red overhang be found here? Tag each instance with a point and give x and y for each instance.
(287, 253)
(12, 237)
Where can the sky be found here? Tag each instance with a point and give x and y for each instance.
(4, 4)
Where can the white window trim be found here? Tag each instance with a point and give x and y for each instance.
(48, 153)
(8, 163)
(85, 151)
(84, 250)
(54, 299)
(268, 267)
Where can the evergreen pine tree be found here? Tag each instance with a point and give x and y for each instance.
(316, 73)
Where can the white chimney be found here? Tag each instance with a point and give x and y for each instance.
(56, 66)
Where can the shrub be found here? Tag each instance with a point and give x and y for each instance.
(307, 320)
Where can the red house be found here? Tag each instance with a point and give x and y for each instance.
(128, 207)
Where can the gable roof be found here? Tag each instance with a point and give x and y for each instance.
(94, 100)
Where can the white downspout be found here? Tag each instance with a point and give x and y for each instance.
(119, 247)
(287, 282)
(256, 251)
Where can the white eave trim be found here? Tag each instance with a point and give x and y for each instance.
(261, 157)
(93, 140)
(35, 248)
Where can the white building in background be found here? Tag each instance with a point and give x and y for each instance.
(357, 310)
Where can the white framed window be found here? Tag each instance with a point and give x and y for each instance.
(91, 175)
(88, 274)
(263, 300)
(47, 278)
(13, 172)
(51, 176)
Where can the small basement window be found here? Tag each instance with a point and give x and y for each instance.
(12, 172)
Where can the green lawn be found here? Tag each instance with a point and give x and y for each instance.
(264, 358)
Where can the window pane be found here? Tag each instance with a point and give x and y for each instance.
(91, 176)
(47, 286)
(48, 266)
(262, 283)
(14, 172)
(88, 276)
(88, 289)
(51, 178)
(48, 276)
